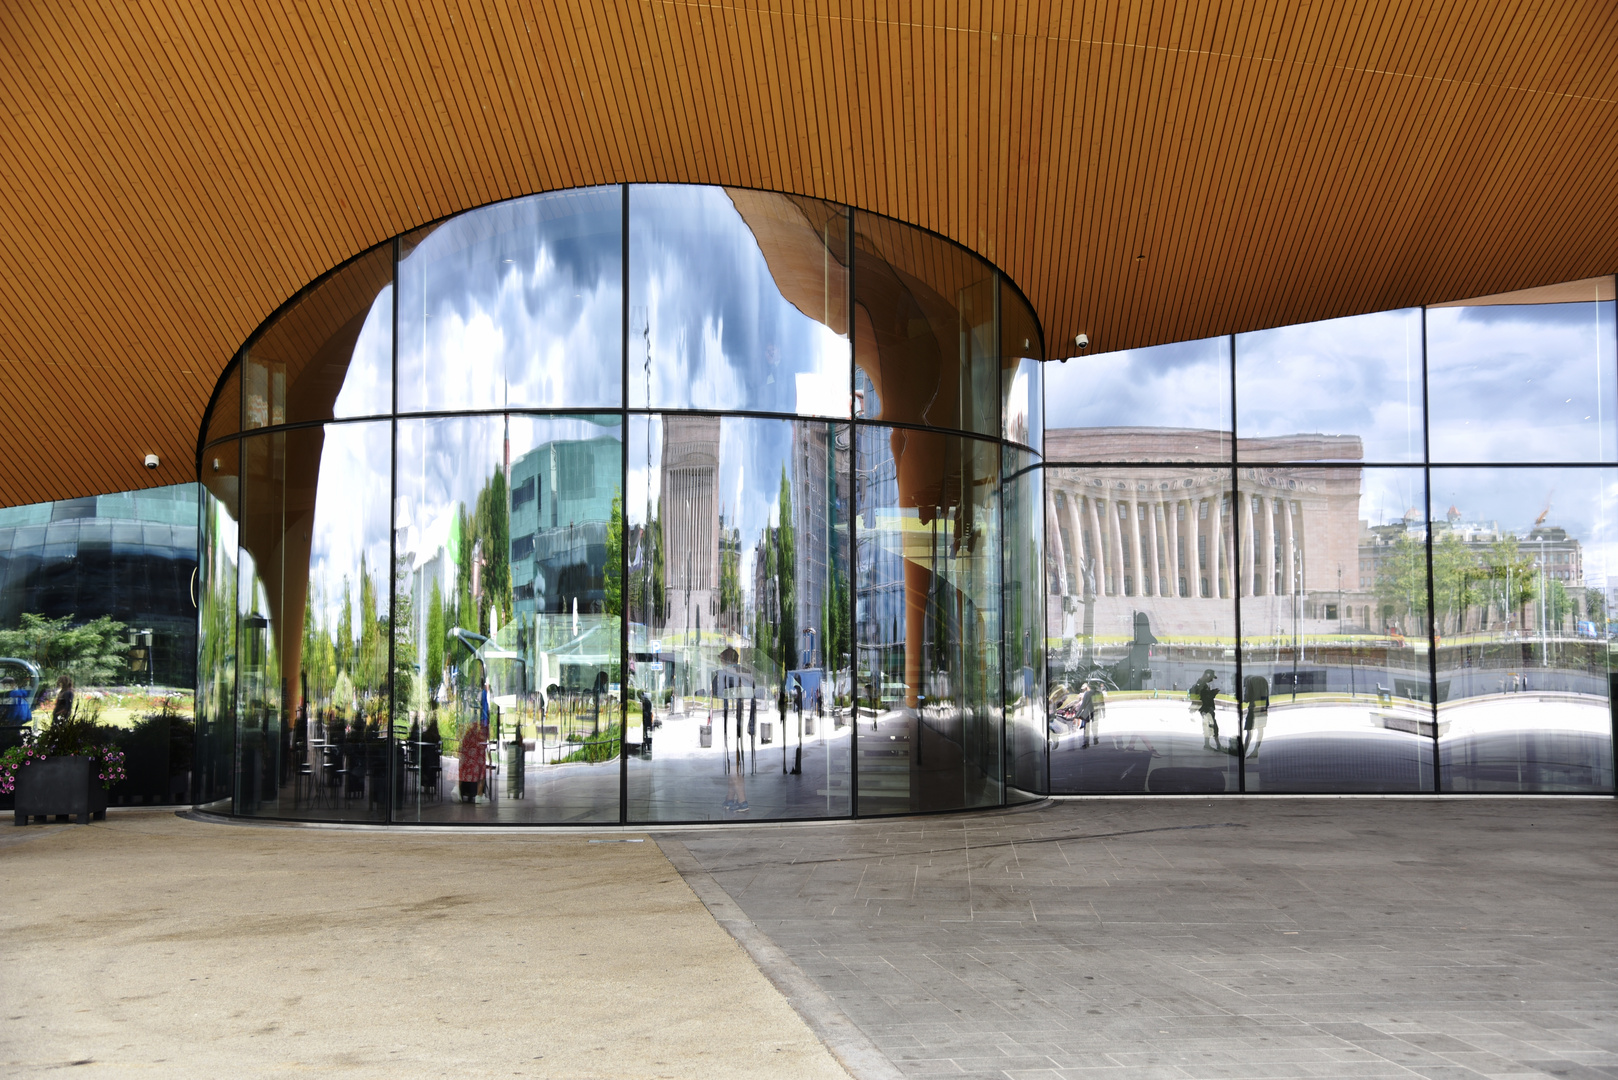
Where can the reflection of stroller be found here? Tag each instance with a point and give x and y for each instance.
(19, 688)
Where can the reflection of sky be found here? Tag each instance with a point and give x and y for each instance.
(752, 455)
(516, 303)
(721, 334)
(1387, 495)
(1355, 376)
(1522, 382)
(368, 383)
(1582, 501)
(351, 517)
(444, 463)
(1024, 419)
(1184, 385)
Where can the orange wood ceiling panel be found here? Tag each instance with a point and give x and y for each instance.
(172, 171)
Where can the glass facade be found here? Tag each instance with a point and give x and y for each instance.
(101, 589)
(670, 503)
(629, 504)
(1368, 555)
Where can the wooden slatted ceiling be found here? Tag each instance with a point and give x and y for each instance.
(171, 171)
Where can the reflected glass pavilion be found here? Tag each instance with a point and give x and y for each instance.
(629, 504)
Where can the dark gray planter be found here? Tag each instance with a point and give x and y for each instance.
(59, 786)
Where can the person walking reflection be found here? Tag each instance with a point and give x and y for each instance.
(1204, 692)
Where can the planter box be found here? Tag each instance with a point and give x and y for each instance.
(59, 786)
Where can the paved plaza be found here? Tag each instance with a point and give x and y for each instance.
(1106, 938)
(1186, 938)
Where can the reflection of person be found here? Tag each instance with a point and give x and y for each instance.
(1258, 711)
(1204, 692)
(1084, 714)
(63, 709)
(473, 767)
(14, 703)
(736, 795)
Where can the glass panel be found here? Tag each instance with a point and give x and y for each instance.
(738, 300)
(213, 784)
(226, 417)
(1522, 587)
(927, 573)
(1022, 384)
(1166, 403)
(1524, 376)
(315, 625)
(926, 347)
(1023, 503)
(330, 354)
(508, 555)
(739, 618)
(1336, 684)
(1354, 384)
(515, 304)
(1142, 660)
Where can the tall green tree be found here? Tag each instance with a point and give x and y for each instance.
(613, 571)
(436, 630)
(786, 569)
(1401, 581)
(94, 653)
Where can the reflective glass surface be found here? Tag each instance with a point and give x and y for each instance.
(1512, 380)
(225, 418)
(1335, 679)
(314, 625)
(507, 585)
(1142, 630)
(927, 572)
(515, 304)
(738, 300)
(214, 782)
(925, 342)
(1022, 376)
(1023, 623)
(328, 354)
(1521, 579)
(1351, 387)
(1166, 403)
(738, 618)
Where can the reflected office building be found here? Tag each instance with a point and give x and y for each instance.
(677, 504)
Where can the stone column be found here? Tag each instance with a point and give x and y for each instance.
(1151, 542)
(1249, 548)
(1289, 566)
(1172, 510)
(1098, 540)
(1216, 541)
(1054, 547)
(1115, 547)
(1266, 536)
(1134, 546)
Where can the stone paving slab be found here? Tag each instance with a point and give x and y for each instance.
(1259, 938)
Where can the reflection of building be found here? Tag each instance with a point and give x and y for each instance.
(814, 458)
(129, 555)
(690, 513)
(1174, 532)
(561, 501)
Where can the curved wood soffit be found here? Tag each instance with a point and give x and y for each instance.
(172, 173)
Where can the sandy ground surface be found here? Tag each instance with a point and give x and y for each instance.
(150, 945)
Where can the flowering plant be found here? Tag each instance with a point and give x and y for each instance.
(64, 738)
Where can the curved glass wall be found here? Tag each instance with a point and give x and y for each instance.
(1366, 555)
(629, 504)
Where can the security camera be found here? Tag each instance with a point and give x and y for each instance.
(1082, 341)
(151, 461)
